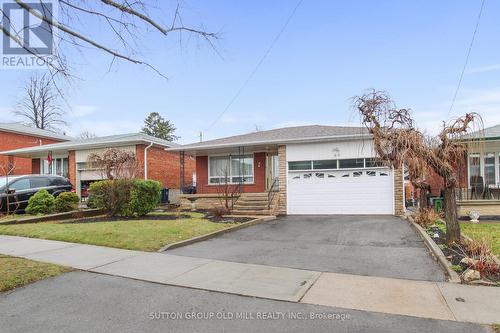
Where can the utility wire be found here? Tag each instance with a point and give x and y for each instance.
(245, 83)
(467, 57)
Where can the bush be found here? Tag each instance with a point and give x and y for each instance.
(125, 197)
(111, 195)
(66, 202)
(483, 259)
(218, 212)
(426, 217)
(91, 201)
(41, 203)
(144, 196)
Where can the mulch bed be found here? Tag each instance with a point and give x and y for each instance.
(455, 253)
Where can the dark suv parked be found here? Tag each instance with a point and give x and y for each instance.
(20, 188)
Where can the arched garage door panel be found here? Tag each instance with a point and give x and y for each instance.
(341, 192)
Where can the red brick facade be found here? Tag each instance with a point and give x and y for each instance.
(437, 183)
(259, 167)
(10, 141)
(72, 168)
(164, 166)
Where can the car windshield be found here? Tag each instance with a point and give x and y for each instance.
(3, 181)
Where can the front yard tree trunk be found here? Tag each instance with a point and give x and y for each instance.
(423, 199)
(451, 216)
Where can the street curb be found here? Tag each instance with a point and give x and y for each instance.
(216, 233)
(436, 252)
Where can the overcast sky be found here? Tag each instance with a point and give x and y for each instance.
(330, 52)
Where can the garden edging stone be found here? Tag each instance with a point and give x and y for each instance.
(436, 252)
(56, 216)
(216, 233)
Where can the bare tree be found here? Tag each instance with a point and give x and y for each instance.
(6, 170)
(227, 193)
(124, 20)
(40, 105)
(399, 143)
(115, 163)
(86, 134)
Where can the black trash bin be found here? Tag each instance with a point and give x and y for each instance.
(164, 196)
(189, 190)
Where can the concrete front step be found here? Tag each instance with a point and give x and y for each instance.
(254, 198)
(254, 195)
(251, 212)
(254, 207)
(251, 203)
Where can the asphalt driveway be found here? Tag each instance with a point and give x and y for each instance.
(383, 246)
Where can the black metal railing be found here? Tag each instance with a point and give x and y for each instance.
(272, 192)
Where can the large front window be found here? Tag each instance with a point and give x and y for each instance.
(485, 168)
(231, 169)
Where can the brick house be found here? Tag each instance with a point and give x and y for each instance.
(16, 135)
(69, 159)
(481, 165)
(296, 170)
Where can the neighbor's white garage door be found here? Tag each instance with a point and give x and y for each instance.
(368, 191)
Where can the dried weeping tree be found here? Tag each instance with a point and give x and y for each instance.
(115, 163)
(123, 20)
(399, 143)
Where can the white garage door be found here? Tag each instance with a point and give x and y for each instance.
(368, 191)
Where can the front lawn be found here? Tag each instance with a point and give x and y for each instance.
(134, 234)
(489, 230)
(17, 272)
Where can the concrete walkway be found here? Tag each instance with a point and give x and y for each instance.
(386, 295)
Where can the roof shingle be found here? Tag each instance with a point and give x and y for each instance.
(33, 131)
(285, 134)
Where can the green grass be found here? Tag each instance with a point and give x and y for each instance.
(143, 235)
(17, 272)
(490, 231)
(441, 226)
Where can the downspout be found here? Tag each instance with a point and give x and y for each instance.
(146, 160)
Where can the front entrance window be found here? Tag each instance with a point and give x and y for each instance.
(58, 167)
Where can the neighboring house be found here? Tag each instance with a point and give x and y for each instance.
(15, 136)
(479, 175)
(70, 159)
(296, 170)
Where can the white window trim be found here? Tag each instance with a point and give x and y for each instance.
(231, 176)
(482, 156)
(53, 165)
(364, 167)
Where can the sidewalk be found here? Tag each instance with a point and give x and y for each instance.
(423, 299)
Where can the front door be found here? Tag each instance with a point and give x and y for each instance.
(272, 171)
